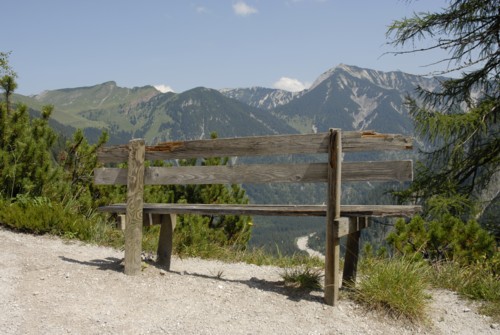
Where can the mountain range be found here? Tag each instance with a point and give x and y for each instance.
(346, 97)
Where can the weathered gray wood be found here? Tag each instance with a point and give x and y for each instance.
(352, 250)
(261, 145)
(377, 171)
(279, 173)
(270, 210)
(240, 174)
(355, 141)
(110, 176)
(135, 191)
(380, 210)
(259, 173)
(332, 253)
(341, 220)
(350, 225)
(164, 254)
(223, 209)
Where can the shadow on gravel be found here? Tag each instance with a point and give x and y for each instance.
(110, 263)
(270, 286)
(293, 294)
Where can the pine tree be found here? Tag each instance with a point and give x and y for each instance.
(26, 163)
(77, 163)
(460, 120)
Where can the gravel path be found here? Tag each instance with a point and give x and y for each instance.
(49, 286)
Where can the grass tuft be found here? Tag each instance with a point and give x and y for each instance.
(476, 281)
(303, 277)
(396, 286)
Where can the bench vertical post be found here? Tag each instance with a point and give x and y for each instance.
(332, 257)
(164, 254)
(135, 204)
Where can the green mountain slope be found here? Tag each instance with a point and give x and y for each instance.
(92, 107)
(144, 112)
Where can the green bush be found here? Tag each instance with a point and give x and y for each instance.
(193, 237)
(463, 257)
(41, 216)
(446, 238)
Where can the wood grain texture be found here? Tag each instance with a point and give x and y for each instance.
(332, 252)
(260, 145)
(135, 191)
(260, 173)
(270, 210)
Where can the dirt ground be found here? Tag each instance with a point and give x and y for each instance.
(51, 286)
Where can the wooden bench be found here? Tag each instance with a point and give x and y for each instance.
(341, 220)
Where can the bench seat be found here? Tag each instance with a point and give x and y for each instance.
(268, 210)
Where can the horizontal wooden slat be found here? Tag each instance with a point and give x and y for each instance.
(355, 141)
(111, 176)
(258, 173)
(260, 145)
(240, 174)
(378, 171)
(345, 225)
(269, 210)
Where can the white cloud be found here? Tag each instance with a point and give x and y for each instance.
(297, 1)
(291, 84)
(201, 9)
(163, 88)
(242, 9)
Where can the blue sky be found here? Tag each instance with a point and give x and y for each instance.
(185, 44)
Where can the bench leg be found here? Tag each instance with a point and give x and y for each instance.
(135, 204)
(351, 256)
(332, 267)
(164, 254)
(352, 251)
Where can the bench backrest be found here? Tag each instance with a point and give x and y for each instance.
(352, 141)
